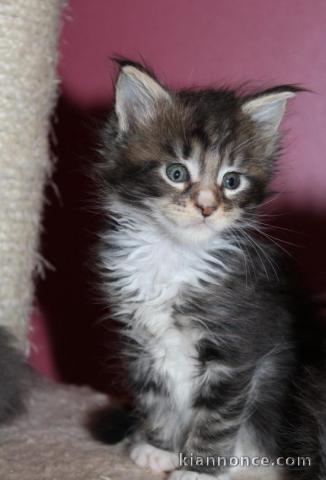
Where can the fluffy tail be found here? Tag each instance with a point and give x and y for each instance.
(113, 425)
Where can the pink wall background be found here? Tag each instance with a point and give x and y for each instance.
(188, 43)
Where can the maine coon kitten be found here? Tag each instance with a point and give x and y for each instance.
(222, 360)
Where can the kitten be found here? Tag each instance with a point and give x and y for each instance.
(14, 375)
(222, 358)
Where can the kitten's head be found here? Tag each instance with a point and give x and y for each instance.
(192, 162)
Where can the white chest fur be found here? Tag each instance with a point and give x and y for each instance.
(149, 273)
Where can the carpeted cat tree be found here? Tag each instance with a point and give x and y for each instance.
(51, 440)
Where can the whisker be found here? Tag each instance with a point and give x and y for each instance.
(246, 142)
(266, 214)
(238, 243)
(272, 199)
(258, 249)
(271, 238)
(270, 225)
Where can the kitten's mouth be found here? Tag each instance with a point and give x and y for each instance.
(200, 223)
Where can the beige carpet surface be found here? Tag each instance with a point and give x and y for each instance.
(52, 441)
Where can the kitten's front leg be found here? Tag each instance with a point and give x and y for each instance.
(146, 455)
(215, 426)
(186, 475)
(153, 444)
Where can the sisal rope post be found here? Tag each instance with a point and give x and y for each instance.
(28, 86)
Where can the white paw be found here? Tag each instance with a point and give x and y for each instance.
(186, 475)
(147, 456)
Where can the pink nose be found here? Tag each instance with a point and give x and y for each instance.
(206, 211)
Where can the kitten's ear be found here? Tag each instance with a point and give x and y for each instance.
(268, 108)
(137, 96)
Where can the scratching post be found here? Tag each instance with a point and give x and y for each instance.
(28, 85)
(50, 441)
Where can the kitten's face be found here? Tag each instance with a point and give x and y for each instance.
(193, 162)
(207, 192)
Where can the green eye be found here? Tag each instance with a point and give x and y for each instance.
(177, 173)
(231, 180)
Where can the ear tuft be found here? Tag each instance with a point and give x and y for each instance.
(268, 107)
(137, 95)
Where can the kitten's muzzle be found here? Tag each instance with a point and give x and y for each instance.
(206, 211)
(206, 200)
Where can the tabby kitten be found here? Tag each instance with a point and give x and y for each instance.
(222, 360)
